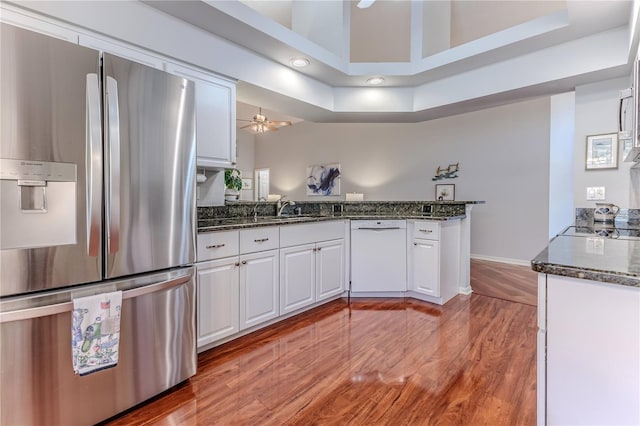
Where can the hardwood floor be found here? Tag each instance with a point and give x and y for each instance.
(374, 362)
(505, 281)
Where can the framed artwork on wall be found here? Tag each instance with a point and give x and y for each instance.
(602, 152)
(323, 179)
(445, 192)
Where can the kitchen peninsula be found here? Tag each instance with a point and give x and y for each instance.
(589, 325)
(256, 267)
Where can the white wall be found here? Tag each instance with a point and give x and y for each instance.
(597, 113)
(245, 161)
(503, 154)
(561, 146)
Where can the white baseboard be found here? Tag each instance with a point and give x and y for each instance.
(502, 259)
(465, 290)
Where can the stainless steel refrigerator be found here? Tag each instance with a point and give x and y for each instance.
(97, 193)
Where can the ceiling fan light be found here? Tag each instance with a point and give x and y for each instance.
(299, 62)
(259, 128)
(374, 81)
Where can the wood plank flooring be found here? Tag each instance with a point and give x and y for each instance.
(516, 283)
(374, 362)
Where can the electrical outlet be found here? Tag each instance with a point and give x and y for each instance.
(337, 208)
(595, 193)
(426, 208)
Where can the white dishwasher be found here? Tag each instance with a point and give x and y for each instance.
(378, 255)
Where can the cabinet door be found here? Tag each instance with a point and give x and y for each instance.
(593, 353)
(329, 269)
(258, 288)
(215, 124)
(218, 295)
(424, 269)
(297, 277)
(215, 117)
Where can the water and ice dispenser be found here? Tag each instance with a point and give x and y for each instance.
(37, 204)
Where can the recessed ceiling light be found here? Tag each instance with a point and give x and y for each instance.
(363, 4)
(299, 62)
(375, 80)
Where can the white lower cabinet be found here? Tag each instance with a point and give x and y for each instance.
(297, 277)
(310, 273)
(312, 263)
(424, 275)
(434, 259)
(257, 281)
(236, 293)
(589, 349)
(330, 269)
(218, 295)
(258, 288)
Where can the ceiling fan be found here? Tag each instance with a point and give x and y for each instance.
(260, 124)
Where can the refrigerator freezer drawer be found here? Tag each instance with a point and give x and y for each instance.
(157, 351)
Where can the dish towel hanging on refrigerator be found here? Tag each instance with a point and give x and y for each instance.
(95, 332)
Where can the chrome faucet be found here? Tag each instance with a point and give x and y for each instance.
(255, 208)
(282, 205)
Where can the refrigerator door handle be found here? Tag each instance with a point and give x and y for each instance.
(113, 140)
(93, 165)
(58, 308)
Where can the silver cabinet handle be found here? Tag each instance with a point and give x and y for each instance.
(93, 165)
(424, 245)
(215, 246)
(428, 231)
(378, 229)
(237, 264)
(261, 240)
(244, 262)
(113, 140)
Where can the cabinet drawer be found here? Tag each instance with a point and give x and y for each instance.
(306, 233)
(426, 230)
(259, 239)
(215, 245)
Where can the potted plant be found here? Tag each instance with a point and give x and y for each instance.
(233, 183)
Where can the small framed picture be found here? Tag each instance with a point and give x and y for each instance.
(445, 192)
(602, 152)
(247, 183)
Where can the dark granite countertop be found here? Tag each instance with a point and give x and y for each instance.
(225, 224)
(605, 253)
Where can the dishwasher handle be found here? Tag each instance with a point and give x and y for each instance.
(371, 228)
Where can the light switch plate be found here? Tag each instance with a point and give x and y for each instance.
(595, 193)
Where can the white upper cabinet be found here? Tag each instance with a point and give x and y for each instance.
(215, 117)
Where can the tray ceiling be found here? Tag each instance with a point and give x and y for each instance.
(422, 49)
